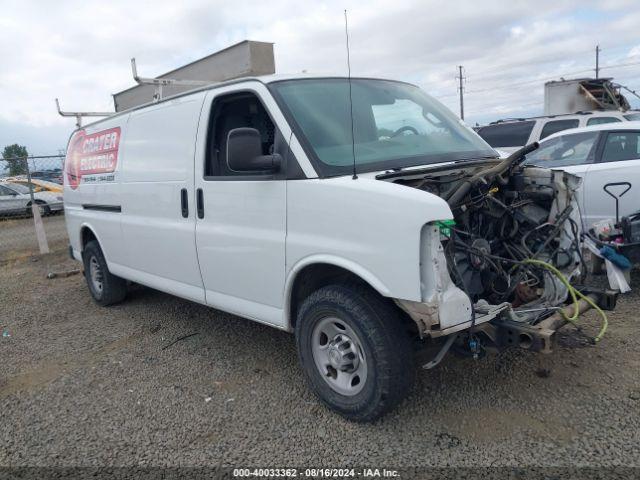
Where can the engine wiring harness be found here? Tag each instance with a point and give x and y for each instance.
(504, 246)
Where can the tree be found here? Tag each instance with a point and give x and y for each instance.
(18, 166)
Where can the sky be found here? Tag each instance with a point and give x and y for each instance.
(79, 51)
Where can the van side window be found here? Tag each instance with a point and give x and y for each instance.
(512, 134)
(236, 111)
(555, 126)
(621, 146)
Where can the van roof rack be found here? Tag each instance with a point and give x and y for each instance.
(157, 96)
(79, 115)
(162, 82)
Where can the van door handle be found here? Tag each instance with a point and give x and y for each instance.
(184, 202)
(200, 203)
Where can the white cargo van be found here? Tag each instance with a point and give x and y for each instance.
(365, 234)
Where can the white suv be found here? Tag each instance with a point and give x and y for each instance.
(509, 135)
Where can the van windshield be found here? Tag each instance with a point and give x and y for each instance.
(394, 125)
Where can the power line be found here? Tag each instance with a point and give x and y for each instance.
(538, 80)
(547, 59)
(620, 65)
(511, 66)
(526, 105)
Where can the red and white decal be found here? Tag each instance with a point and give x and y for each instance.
(91, 154)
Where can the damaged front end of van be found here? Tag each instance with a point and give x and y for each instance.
(507, 270)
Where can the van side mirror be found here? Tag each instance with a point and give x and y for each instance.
(244, 152)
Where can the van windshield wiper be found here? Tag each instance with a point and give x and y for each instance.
(484, 157)
(398, 172)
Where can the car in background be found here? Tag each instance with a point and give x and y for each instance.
(38, 185)
(632, 115)
(511, 134)
(54, 175)
(16, 200)
(607, 157)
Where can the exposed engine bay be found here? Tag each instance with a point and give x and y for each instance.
(500, 225)
(515, 238)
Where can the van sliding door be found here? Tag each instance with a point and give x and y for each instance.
(158, 214)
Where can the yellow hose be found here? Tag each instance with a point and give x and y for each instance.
(574, 296)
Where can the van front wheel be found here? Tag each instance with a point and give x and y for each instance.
(354, 350)
(105, 288)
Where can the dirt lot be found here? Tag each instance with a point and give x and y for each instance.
(82, 385)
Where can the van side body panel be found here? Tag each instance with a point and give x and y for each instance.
(369, 227)
(85, 193)
(159, 242)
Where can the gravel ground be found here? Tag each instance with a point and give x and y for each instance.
(18, 236)
(82, 385)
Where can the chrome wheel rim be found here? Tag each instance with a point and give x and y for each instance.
(95, 273)
(339, 356)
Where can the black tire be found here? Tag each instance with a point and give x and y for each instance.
(597, 264)
(386, 347)
(112, 289)
(44, 208)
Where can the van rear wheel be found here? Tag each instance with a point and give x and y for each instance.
(105, 288)
(354, 350)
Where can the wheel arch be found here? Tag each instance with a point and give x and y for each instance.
(88, 233)
(313, 273)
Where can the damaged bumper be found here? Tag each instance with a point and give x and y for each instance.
(540, 337)
(426, 316)
(507, 262)
(500, 326)
(446, 309)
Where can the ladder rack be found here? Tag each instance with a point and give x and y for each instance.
(79, 115)
(162, 82)
(159, 83)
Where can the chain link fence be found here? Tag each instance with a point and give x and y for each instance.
(31, 206)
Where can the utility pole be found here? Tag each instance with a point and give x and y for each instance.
(41, 235)
(461, 90)
(597, 60)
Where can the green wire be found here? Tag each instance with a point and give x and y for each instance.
(574, 296)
